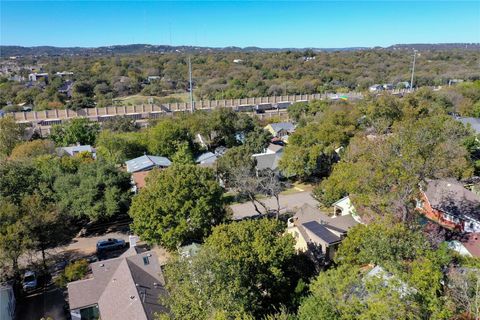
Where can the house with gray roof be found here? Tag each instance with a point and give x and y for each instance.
(269, 158)
(74, 150)
(450, 204)
(317, 234)
(280, 129)
(206, 159)
(147, 162)
(123, 288)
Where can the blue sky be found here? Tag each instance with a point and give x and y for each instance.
(242, 23)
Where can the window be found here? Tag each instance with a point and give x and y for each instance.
(146, 261)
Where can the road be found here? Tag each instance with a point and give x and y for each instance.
(288, 202)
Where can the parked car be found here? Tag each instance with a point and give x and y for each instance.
(29, 281)
(110, 244)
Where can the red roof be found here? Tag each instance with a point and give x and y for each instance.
(472, 244)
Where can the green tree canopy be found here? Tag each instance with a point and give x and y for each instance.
(11, 134)
(96, 190)
(243, 268)
(78, 130)
(178, 204)
(32, 149)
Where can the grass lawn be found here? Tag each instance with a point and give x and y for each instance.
(139, 99)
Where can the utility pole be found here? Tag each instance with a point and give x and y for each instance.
(413, 69)
(191, 87)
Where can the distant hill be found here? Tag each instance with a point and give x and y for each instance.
(7, 51)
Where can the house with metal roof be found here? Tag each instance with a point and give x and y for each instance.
(147, 162)
(74, 150)
(123, 288)
(206, 159)
(318, 234)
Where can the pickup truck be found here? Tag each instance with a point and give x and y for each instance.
(110, 245)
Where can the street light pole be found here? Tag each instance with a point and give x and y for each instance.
(191, 87)
(413, 69)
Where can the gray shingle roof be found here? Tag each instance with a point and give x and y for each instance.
(451, 197)
(123, 288)
(307, 213)
(287, 126)
(146, 162)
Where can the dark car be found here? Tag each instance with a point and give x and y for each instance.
(110, 245)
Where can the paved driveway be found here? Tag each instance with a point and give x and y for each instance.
(45, 302)
(289, 202)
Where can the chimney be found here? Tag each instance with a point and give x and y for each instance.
(133, 240)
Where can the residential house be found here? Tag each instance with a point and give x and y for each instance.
(345, 207)
(269, 158)
(67, 88)
(206, 159)
(146, 163)
(64, 74)
(74, 150)
(451, 205)
(141, 167)
(281, 129)
(35, 76)
(124, 288)
(387, 279)
(469, 245)
(7, 302)
(375, 88)
(318, 234)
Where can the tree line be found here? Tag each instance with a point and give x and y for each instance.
(97, 80)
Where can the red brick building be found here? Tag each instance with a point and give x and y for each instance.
(451, 205)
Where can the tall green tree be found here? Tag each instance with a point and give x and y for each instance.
(178, 205)
(243, 268)
(11, 134)
(165, 137)
(78, 130)
(96, 190)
